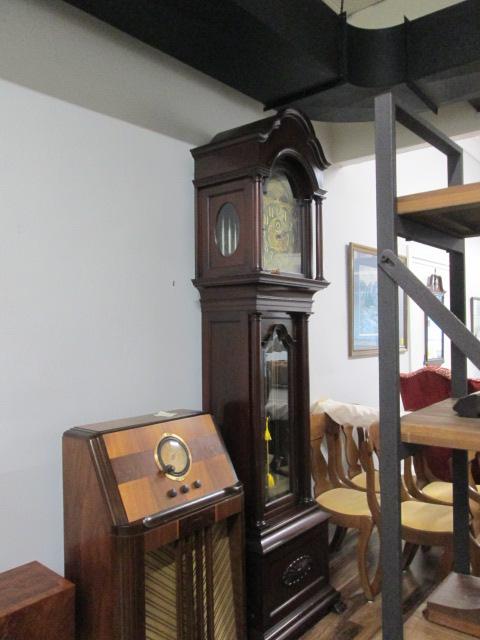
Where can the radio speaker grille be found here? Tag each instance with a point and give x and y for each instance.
(191, 590)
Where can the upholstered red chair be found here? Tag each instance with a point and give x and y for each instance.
(422, 388)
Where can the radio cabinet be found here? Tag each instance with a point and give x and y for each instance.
(153, 530)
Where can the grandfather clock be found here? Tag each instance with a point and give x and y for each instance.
(258, 263)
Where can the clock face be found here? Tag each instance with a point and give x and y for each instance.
(282, 228)
(173, 457)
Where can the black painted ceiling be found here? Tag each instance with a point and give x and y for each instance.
(301, 53)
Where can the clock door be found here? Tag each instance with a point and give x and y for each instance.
(280, 482)
(224, 224)
(283, 227)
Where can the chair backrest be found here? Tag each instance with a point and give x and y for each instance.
(343, 459)
(352, 453)
(318, 430)
(424, 387)
(420, 389)
(369, 446)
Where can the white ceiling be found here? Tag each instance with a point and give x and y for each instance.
(350, 6)
(386, 8)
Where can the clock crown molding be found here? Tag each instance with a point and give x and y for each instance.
(258, 139)
(262, 130)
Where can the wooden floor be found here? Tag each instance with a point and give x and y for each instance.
(362, 619)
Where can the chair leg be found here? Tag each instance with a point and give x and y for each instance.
(446, 564)
(475, 556)
(475, 525)
(409, 553)
(376, 583)
(337, 539)
(370, 589)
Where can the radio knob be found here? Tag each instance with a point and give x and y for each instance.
(184, 488)
(171, 493)
(197, 484)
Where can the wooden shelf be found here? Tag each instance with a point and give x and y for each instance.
(438, 425)
(454, 210)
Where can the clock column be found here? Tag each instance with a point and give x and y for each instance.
(255, 260)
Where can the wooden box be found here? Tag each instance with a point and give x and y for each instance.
(35, 604)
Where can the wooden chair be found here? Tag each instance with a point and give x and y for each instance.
(430, 489)
(354, 476)
(423, 523)
(348, 507)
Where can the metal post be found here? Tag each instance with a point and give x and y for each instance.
(455, 168)
(391, 555)
(459, 388)
(387, 112)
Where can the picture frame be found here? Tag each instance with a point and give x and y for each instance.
(434, 340)
(363, 303)
(475, 317)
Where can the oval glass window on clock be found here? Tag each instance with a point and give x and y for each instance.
(173, 457)
(227, 230)
(282, 227)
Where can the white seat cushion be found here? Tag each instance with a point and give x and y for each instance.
(345, 414)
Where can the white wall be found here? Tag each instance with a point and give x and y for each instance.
(97, 226)
(99, 317)
(54, 48)
(349, 216)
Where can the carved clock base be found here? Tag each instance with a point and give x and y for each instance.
(287, 577)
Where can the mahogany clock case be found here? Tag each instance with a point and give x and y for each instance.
(255, 356)
(154, 554)
(234, 168)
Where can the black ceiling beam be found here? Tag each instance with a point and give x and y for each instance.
(291, 53)
(426, 62)
(308, 24)
(444, 40)
(249, 49)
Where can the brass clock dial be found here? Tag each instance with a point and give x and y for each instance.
(281, 227)
(173, 456)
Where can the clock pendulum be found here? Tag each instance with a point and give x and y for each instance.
(268, 438)
(258, 264)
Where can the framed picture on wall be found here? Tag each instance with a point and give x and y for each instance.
(475, 316)
(363, 303)
(434, 340)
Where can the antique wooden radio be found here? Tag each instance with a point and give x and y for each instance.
(153, 530)
(259, 261)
